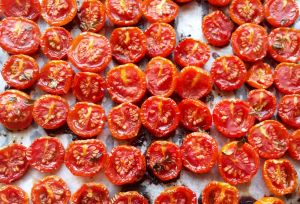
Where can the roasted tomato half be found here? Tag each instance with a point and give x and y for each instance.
(289, 110)
(287, 79)
(176, 194)
(13, 194)
(129, 197)
(91, 193)
(269, 200)
(219, 2)
(260, 76)
(294, 145)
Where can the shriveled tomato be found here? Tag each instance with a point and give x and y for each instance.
(289, 110)
(216, 192)
(126, 83)
(260, 76)
(238, 162)
(85, 157)
(15, 110)
(56, 77)
(176, 194)
(160, 115)
(30, 9)
(20, 71)
(161, 76)
(191, 52)
(250, 42)
(55, 42)
(19, 35)
(50, 189)
(90, 52)
(219, 2)
(287, 79)
(161, 39)
(164, 159)
(195, 115)
(50, 112)
(269, 200)
(280, 176)
(294, 145)
(126, 165)
(128, 44)
(228, 73)
(45, 154)
(129, 197)
(13, 163)
(91, 193)
(58, 12)
(86, 119)
(124, 12)
(13, 194)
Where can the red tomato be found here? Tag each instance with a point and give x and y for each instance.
(124, 122)
(90, 52)
(228, 73)
(58, 12)
(233, 117)
(91, 193)
(281, 13)
(50, 112)
(217, 28)
(20, 71)
(30, 9)
(15, 110)
(294, 145)
(284, 44)
(164, 159)
(238, 162)
(128, 44)
(161, 76)
(199, 152)
(263, 103)
(86, 119)
(195, 115)
(13, 194)
(161, 39)
(249, 42)
(13, 163)
(56, 77)
(124, 12)
(177, 194)
(219, 2)
(126, 165)
(160, 115)
(129, 197)
(191, 52)
(55, 42)
(217, 192)
(183, 1)
(289, 110)
(280, 176)
(85, 157)
(269, 200)
(286, 78)
(19, 35)
(163, 11)
(88, 87)
(45, 154)
(50, 189)
(260, 76)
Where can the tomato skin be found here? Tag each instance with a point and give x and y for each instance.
(129, 197)
(91, 193)
(219, 2)
(294, 145)
(260, 76)
(289, 109)
(13, 194)
(269, 200)
(285, 78)
(176, 194)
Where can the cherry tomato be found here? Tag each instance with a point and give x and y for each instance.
(85, 157)
(249, 42)
(19, 35)
(238, 162)
(128, 44)
(280, 176)
(183, 1)
(289, 110)
(55, 42)
(129, 197)
(124, 12)
(233, 117)
(50, 189)
(294, 145)
(45, 154)
(260, 76)
(286, 78)
(91, 193)
(216, 192)
(195, 115)
(86, 119)
(269, 200)
(50, 112)
(217, 28)
(20, 71)
(126, 165)
(13, 163)
(15, 110)
(13, 194)
(126, 83)
(161, 39)
(160, 115)
(58, 12)
(281, 13)
(219, 2)
(161, 76)
(90, 52)
(228, 73)
(56, 77)
(176, 194)
(191, 52)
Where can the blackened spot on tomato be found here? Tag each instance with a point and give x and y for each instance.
(200, 199)
(215, 55)
(7, 87)
(151, 177)
(209, 98)
(247, 200)
(62, 130)
(141, 138)
(288, 196)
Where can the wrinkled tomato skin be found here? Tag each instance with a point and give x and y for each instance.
(286, 78)
(294, 145)
(260, 76)
(13, 194)
(176, 194)
(98, 191)
(289, 110)
(269, 200)
(129, 197)
(219, 3)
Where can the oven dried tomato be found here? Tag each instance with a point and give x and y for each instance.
(13, 194)
(176, 194)
(129, 197)
(30, 9)
(289, 110)
(294, 145)
(90, 193)
(260, 76)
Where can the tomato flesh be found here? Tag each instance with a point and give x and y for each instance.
(176, 194)
(13, 194)
(289, 110)
(91, 193)
(286, 78)
(294, 145)
(219, 2)
(269, 200)
(129, 197)
(260, 76)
